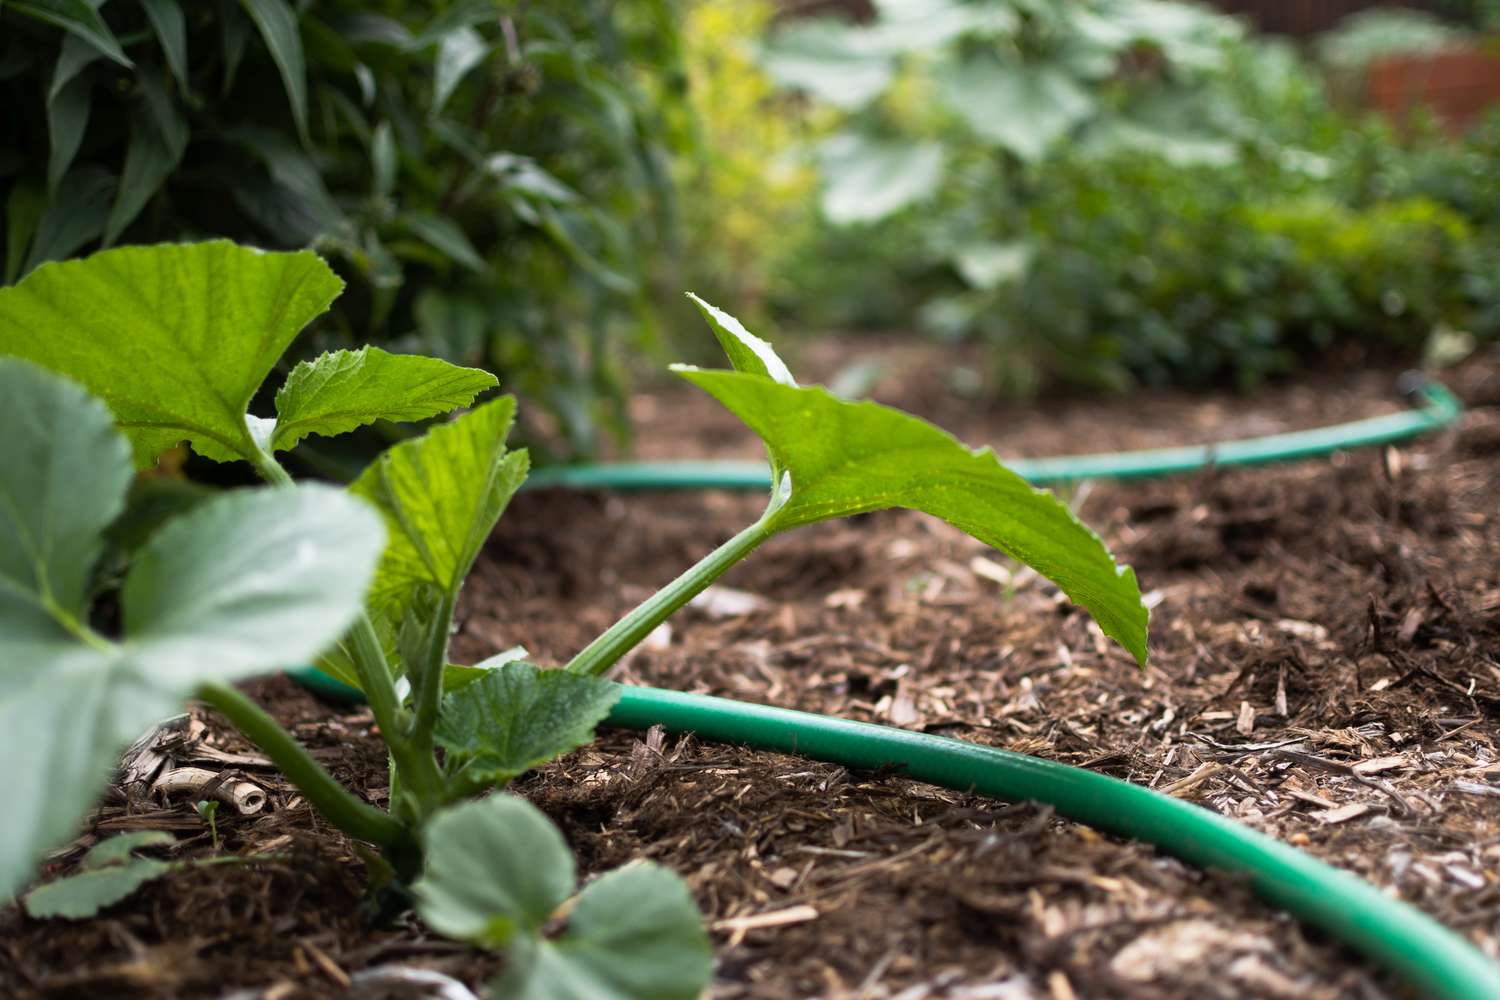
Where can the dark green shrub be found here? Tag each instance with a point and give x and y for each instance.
(489, 177)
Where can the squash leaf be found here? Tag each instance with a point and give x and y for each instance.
(241, 585)
(497, 871)
(834, 458)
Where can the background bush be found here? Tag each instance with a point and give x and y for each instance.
(1189, 207)
(491, 178)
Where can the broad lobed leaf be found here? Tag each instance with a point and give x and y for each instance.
(343, 390)
(441, 494)
(497, 871)
(846, 458)
(240, 585)
(188, 334)
(517, 717)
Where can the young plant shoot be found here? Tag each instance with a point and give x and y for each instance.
(176, 340)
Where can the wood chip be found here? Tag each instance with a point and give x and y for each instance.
(761, 921)
(1379, 764)
(1344, 813)
(1245, 724)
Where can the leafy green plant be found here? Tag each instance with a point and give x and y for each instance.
(176, 340)
(489, 177)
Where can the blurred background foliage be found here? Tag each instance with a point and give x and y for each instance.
(1132, 192)
(1104, 193)
(493, 180)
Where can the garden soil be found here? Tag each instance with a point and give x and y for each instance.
(1325, 668)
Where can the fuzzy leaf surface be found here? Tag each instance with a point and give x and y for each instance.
(497, 870)
(342, 390)
(842, 458)
(440, 495)
(634, 934)
(241, 585)
(176, 338)
(518, 717)
(86, 893)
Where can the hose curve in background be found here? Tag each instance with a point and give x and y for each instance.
(1438, 408)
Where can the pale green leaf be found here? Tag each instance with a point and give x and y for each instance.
(839, 63)
(118, 848)
(347, 389)
(76, 897)
(441, 494)
(80, 18)
(518, 717)
(171, 31)
(497, 871)
(383, 163)
(446, 236)
(496, 868)
(277, 23)
(989, 265)
(919, 25)
(458, 53)
(1023, 108)
(240, 585)
(635, 934)
(187, 336)
(866, 179)
(843, 458)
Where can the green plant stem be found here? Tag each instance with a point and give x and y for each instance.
(419, 770)
(601, 654)
(430, 693)
(336, 803)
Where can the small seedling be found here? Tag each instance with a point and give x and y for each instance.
(176, 340)
(208, 810)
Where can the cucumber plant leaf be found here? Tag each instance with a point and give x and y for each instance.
(189, 334)
(343, 390)
(497, 872)
(518, 717)
(240, 585)
(440, 495)
(833, 458)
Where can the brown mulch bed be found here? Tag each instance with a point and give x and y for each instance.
(1326, 668)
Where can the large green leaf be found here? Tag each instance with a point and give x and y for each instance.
(839, 63)
(176, 338)
(497, 871)
(866, 179)
(241, 585)
(518, 717)
(277, 23)
(347, 389)
(834, 458)
(1019, 106)
(441, 494)
(81, 19)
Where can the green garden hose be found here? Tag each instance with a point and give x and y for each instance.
(1432, 958)
(1438, 408)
